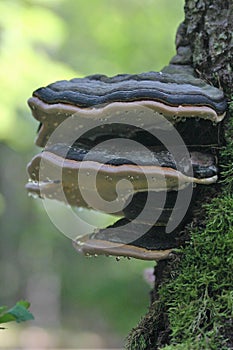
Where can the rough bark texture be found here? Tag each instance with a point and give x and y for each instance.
(204, 41)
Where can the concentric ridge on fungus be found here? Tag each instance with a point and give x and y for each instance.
(173, 95)
(170, 89)
(191, 105)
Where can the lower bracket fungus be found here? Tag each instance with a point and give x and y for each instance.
(134, 146)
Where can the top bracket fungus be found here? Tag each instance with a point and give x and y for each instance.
(175, 120)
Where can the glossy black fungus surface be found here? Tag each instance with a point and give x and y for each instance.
(170, 89)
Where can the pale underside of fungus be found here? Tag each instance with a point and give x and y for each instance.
(101, 109)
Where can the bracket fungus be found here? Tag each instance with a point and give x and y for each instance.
(147, 109)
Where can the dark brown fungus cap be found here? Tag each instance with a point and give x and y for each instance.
(175, 96)
(173, 90)
(193, 108)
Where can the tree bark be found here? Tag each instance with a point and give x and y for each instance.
(204, 41)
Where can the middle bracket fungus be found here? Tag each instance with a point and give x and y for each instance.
(107, 109)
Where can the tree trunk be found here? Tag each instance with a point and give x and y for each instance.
(192, 298)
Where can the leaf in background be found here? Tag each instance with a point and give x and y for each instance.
(18, 313)
(24, 303)
(7, 318)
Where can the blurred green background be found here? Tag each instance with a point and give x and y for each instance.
(77, 302)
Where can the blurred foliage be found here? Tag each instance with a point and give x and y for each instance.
(28, 33)
(40, 42)
(116, 36)
(19, 312)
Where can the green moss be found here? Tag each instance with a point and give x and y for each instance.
(139, 343)
(191, 345)
(146, 333)
(199, 299)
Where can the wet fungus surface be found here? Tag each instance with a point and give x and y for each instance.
(104, 109)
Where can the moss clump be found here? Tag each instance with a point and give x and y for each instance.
(149, 330)
(199, 299)
(139, 343)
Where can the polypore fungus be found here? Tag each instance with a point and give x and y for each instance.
(101, 109)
